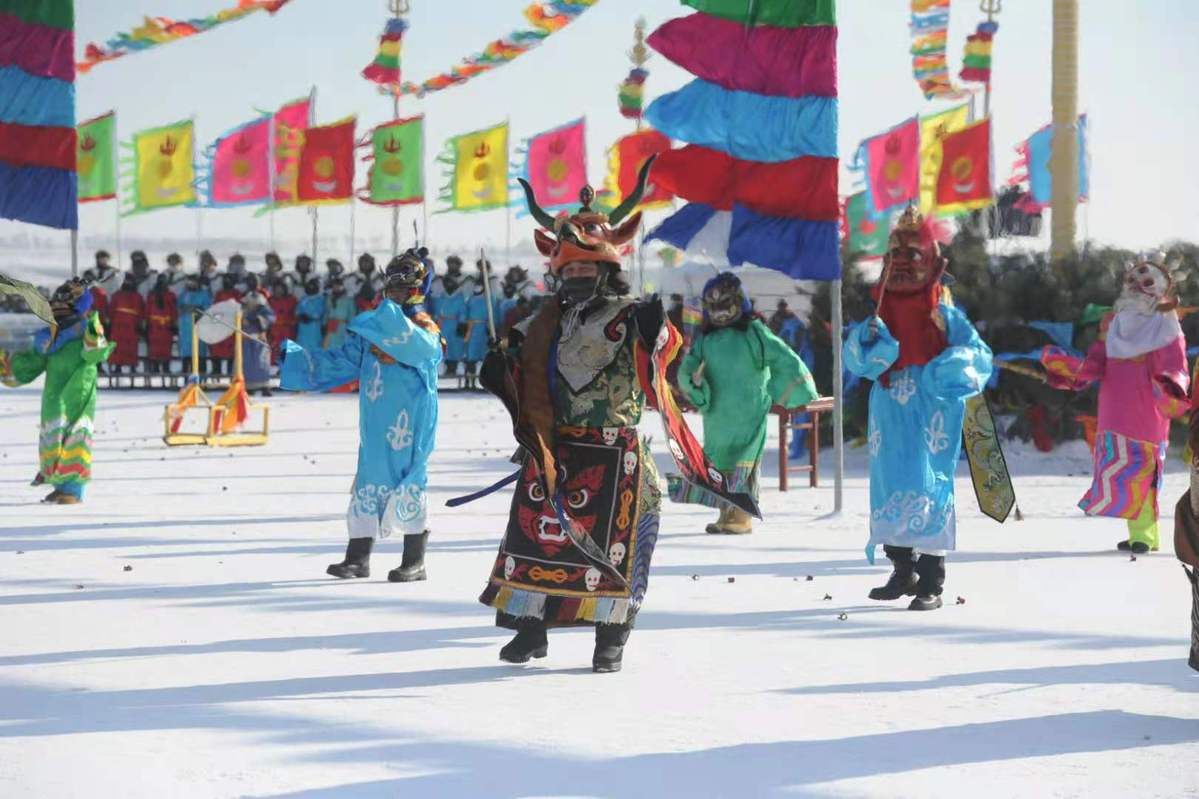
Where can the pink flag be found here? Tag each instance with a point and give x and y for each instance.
(892, 164)
(289, 122)
(557, 164)
(241, 166)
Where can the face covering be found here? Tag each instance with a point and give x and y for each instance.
(580, 289)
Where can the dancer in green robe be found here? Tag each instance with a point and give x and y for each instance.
(68, 356)
(734, 372)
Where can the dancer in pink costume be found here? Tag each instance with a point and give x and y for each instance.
(1140, 364)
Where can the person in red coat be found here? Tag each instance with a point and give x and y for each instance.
(367, 299)
(99, 296)
(127, 312)
(283, 303)
(162, 322)
(222, 352)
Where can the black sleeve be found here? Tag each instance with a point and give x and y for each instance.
(649, 316)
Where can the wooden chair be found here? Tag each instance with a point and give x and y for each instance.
(787, 423)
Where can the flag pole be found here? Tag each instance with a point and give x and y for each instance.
(992, 7)
(350, 265)
(398, 8)
(315, 211)
(507, 197)
(117, 205)
(270, 180)
(838, 399)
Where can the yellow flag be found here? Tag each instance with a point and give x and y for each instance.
(164, 170)
(932, 129)
(479, 164)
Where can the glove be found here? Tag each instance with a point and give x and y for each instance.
(650, 316)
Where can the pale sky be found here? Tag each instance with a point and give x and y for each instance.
(1136, 59)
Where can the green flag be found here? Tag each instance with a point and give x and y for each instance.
(867, 236)
(94, 159)
(397, 170)
(782, 13)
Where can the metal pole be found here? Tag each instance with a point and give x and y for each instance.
(75, 252)
(487, 294)
(199, 230)
(350, 265)
(1063, 160)
(991, 7)
(838, 400)
(117, 204)
(397, 9)
(315, 237)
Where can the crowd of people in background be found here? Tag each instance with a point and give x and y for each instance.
(150, 313)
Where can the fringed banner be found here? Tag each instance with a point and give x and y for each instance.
(477, 170)
(162, 170)
(95, 162)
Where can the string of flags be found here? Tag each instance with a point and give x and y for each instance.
(545, 18)
(930, 35)
(157, 31)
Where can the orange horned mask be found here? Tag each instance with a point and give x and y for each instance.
(587, 235)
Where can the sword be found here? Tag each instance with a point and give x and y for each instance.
(487, 292)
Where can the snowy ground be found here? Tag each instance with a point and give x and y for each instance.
(226, 664)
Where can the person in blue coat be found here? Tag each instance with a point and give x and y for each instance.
(451, 320)
(310, 312)
(195, 297)
(477, 335)
(926, 360)
(393, 351)
(256, 320)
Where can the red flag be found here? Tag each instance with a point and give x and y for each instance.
(965, 180)
(893, 166)
(629, 155)
(327, 164)
(802, 188)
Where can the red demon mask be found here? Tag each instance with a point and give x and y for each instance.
(587, 235)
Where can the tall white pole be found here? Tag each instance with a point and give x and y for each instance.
(350, 265)
(75, 251)
(838, 400)
(315, 238)
(117, 202)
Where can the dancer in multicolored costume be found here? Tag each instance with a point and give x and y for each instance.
(393, 351)
(734, 372)
(584, 518)
(1140, 364)
(926, 360)
(68, 356)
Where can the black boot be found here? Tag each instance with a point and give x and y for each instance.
(357, 562)
(903, 578)
(530, 642)
(609, 647)
(412, 567)
(931, 571)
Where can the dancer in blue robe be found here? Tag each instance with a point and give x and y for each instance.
(451, 319)
(393, 351)
(926, 360)
(195, 297)
(477, 337)
(310, 313)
